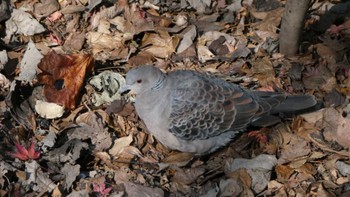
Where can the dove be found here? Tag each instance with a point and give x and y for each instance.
(195, 112)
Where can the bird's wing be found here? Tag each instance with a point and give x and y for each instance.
(204, 106)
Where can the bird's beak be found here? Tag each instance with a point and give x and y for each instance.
(124, 89)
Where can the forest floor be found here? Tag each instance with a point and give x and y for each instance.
(92, 143)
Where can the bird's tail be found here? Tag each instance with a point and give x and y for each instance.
(274, 104)
(295, 103)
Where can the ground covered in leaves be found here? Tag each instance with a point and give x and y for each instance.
(66, 131)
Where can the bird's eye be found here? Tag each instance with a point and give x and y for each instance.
(139, 81)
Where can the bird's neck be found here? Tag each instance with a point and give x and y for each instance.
(160, 82)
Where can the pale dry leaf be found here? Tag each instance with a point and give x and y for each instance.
(188, 38)
(271, 21)
(187, 176)
(71, 9)
(74, 41)
(200, 5)
(4, 84)
(93, 4)
(70, 172)
(3, 59)
(212, 192)
(259, 169)
(68, 152)
(297, 147)
(136, 190)
(343, 168)
(161, 45)
(103, 156)
(49, 140)
(45, 8)
(123, 26)
(22, 23)
(48, 110)
(176, 159)
(31, 169)
(313, 117)
(28, 66)
(204, 54)
(283, 172)
(122, 175)
(56, 192)
(230, 187)
(43, 182)
(104, 26)
(104, 43)
(263, 70)
(274, 185)
(131, 150)
(336, 127)
(3, 171)
(120, 144)
(208, 37)
(235, 6)
(81, 193)
(91, 125)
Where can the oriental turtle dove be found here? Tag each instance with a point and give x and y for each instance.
(195, 112)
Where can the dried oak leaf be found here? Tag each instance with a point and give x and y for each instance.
(63, 77)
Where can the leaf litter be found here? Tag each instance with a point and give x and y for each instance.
(66, 131)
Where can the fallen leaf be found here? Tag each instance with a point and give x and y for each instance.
(107, 84)
(70, 172)
(296, 147)
(336, 127)
(23, 23)
(120, 144)
(160, 45)
(187, 176)
(25, 154)
(136, 190)
(188, 38)
(259, 168)
(48, 110)
(63, 77)
(29, 63)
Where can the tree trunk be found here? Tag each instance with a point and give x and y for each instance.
(292, 25)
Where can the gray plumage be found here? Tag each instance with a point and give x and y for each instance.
(196, 112)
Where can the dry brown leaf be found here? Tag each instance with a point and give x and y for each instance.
(70, 172)
(230, 187)
(119, 145)
(296, 147)
(336, 127)
(283, 172)
(187, 176)
(136, 190)
(263, 70)
(102, 44)
(91, 125)
(178, 159)
(271, 21)
(160, 45)
(63, 77)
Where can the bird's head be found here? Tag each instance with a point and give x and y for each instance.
(141, 79)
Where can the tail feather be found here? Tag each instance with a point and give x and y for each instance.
(273, 106)
(294, 103)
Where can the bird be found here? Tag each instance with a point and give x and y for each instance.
(199, 113)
